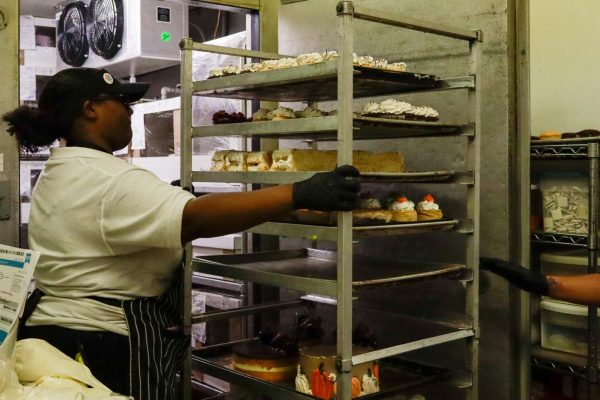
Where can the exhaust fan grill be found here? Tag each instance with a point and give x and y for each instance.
(105, 27)
(71, 31)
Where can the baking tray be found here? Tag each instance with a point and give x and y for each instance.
(397, 374)
(315, 271)
(324, 218)
(325, 129)
(316, 82)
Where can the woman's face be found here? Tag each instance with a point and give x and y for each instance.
(115, 120)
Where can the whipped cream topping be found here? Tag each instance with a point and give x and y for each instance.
(252, 67)
(425, 112)
(281, 112)
(269, 65)
(287, 62)
(217, 71)
(402, 206)
(427, 206)
(309, 58)
(393, 106)
(310, 112)
(369, 203)
(363, 61)
(397, 66)
(232, 69)
(330, 55)
(371, 108)
(381, 63)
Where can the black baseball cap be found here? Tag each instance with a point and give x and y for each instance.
(66, 91)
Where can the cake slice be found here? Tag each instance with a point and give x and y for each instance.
(236, 161)
(219, 162)
(259, 161)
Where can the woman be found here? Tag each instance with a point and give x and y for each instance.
(580, 289)
(111, 235)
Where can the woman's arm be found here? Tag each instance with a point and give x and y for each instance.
(223, 213)
(580, 289)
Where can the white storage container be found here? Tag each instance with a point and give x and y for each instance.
(570, 262)
(565, 204)
(564, 326)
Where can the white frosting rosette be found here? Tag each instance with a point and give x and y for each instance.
(425, 112)
(402, 204)
(393, 106)
(369, 203)
(371, 108)
(428, 204)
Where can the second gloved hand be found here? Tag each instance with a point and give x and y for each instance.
(525, 279)
(328, 191)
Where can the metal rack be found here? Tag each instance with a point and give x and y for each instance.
(574, 149)
(340, 80)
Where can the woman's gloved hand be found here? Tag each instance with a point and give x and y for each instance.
(328, 191)
(525, 279)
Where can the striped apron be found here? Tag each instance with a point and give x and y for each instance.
(157, 347)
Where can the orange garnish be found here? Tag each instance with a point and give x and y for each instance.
(401, 199)
(429, 198)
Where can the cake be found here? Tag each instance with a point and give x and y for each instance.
(281, 113)
(428, 210)
(403, 210)
(219, 162)
(266, 361)
(259, 161)
(317, 375)
(370, 210)
(236, 161)
(326, 160)
(550, 135)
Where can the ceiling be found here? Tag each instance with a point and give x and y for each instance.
(38, 8)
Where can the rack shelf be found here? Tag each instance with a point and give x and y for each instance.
(314, 271)
(561, 149)
(336, 277)
(560, 238)
(558, 361)
(397, 375)
(318, 82)
(319, 232)
(279, 177)
(325, 129)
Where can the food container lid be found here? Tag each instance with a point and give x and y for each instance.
(565, 308)
(572, 257)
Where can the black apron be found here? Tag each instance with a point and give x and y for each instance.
(157, 347)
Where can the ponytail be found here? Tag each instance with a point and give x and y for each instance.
(33, 128)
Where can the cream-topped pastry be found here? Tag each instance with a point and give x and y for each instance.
(403, 210)
(261, 115)
(370, 384)
(393, 106)
(368, 201)
(330, 55)
(428, 210)
(281, 113)
(381, 63)
(363, 61)
(423, 113)
(371, 108)
(252, 67)
(309, 58)
(268, 65)
(301, 382)
(231, 70)
(287, 62)
(397, 66)
(215, 72)
(309, 112)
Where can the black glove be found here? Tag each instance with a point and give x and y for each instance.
(328, 191)
(525, 279)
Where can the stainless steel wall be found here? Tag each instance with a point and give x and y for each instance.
(311, 26)
(9, 156)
